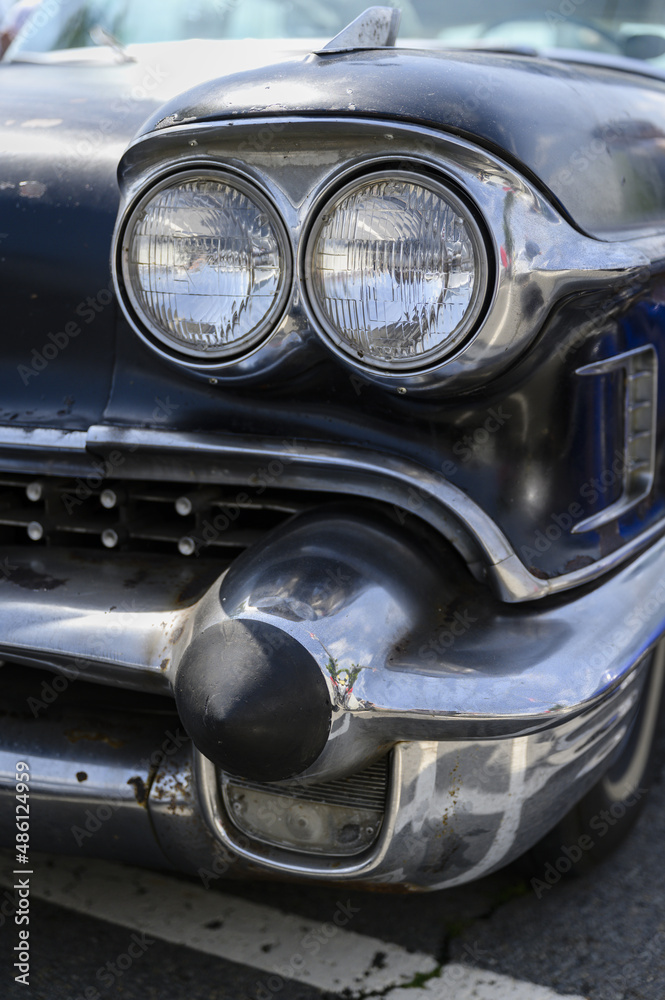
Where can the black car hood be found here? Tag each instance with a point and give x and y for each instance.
(591, 136)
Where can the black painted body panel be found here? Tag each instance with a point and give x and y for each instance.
(62, 130)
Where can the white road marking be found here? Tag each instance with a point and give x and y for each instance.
(326, 955)
(461, 982)
(281, 945)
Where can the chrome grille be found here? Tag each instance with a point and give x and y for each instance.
(363, 790)
(141, 516)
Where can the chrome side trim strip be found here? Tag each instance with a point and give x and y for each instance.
(43, 438)
(344, 469)
(337, 469)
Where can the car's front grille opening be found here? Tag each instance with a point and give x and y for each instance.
(337, 818)
(142, 516)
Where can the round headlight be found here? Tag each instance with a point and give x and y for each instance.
(396, 271)
(205, 264)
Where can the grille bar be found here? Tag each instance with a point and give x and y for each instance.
(365, 789)
(142, 516)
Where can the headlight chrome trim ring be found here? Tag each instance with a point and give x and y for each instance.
(148, 331)
(433, 359)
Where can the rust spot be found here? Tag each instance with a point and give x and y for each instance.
(579, 562)
(164, 665)
(31, 189)
(81, 776)
(140, 790)
(538, 573)
(75, 735)
(177, 633)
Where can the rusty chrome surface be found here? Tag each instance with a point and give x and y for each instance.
(90, 771)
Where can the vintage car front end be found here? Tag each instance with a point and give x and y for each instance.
(353, 517)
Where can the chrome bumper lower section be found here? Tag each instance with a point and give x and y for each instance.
(136, 790)
(458, 810)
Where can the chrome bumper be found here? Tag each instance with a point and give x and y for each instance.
(134, 789)
(456, 810)
(410, 646)
(498, 718)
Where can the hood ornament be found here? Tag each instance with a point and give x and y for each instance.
(375, 28)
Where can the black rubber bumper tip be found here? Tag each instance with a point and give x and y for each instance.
(253, 700)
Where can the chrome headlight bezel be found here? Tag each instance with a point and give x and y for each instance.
(144, 326)
(483, 285)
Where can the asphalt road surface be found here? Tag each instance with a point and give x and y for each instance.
(102, 931)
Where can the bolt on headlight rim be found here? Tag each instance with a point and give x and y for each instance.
(151, 333)
(431, 360)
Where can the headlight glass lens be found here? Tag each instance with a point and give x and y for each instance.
(205, 264)
(397, 271)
